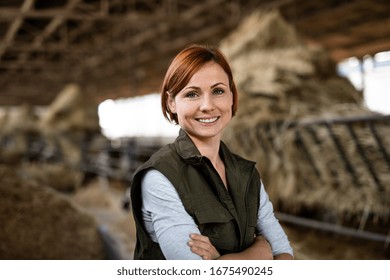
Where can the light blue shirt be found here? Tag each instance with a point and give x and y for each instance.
(168, 223)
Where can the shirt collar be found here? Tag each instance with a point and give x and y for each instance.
(185, 148)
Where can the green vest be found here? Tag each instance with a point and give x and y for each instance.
(227, 217)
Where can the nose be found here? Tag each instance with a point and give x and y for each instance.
(207, 103)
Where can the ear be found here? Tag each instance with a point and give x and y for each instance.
(171, 104)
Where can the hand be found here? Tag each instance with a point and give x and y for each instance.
(201, 245)
(259, 250)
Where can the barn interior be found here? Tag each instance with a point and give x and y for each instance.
(323, 155)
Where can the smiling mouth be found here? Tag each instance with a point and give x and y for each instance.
(208, 120)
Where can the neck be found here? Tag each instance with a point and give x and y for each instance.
(208, 148)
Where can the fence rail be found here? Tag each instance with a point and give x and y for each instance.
(266, 133)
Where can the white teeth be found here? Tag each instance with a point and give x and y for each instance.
(208, 120)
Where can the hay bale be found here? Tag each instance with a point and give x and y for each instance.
(37, 222)
(260, 30)
(20, 119)
(334, 180)
(19, 125)
(278, 75)
(106, 205)
(317, 245)
(64, 127)
(303, 168)
(283, 82)
(3, 119)
(69, 121)
(56, 176)
(13, 150)
(70, 112)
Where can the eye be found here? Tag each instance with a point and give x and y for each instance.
(218, 91)
(191, 94)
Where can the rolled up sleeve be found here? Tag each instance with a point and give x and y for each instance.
(269, 227)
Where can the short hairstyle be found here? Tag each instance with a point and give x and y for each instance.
(181, 69)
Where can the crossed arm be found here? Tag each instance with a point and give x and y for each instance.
(168, 223)
(259, 250)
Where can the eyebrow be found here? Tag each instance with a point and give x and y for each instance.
(213, 86)
(217, 84)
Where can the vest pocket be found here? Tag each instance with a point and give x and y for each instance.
(215, 222)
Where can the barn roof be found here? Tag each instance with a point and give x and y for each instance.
(121, 48)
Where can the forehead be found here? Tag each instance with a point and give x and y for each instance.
(211, 72)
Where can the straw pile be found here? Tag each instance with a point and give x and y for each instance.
(278, 75)
(17, 126)
(69, 112)
(63, 126)
(3, 118)
(68, 121)
(105, 204)
(38, 218)
(56, 176)
(283, 81)
(37, 222)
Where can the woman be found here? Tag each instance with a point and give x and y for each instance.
(194, 199)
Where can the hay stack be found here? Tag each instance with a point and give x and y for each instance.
(278, 75)
(39, 223)
(70, 112)
(21, 119)
(105, 204)
(56, 176)
(282, 80)
(68, 121)
(3, 118)
(18, 126)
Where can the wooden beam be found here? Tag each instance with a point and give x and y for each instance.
(38, 40)
(15, 25)
(8, 14)
(155, 30)
(360, 50)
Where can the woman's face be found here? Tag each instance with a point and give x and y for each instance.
(204, 105)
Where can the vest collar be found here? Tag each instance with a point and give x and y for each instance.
(185, 148)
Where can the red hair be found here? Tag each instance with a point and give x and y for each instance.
(184, 66)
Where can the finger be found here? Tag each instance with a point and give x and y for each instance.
(199, 237)
(206, 245)
(205, 250)
(203, 253)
